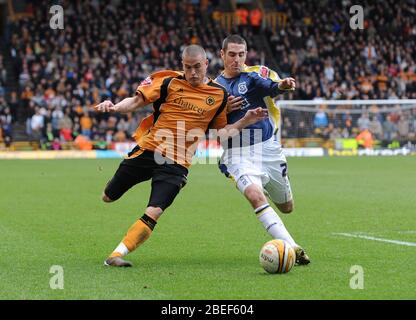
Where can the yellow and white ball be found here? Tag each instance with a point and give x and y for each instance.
(277, 256)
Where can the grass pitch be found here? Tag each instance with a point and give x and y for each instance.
(206, 245)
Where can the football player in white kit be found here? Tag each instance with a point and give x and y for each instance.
(254, 159)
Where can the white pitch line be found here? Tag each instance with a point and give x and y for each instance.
(407, 232)
(402, 243)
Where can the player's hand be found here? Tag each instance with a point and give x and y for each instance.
(287, 84)
(105, 106)
(255, 115)
(234, 103)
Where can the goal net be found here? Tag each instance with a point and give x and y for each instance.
(348, 124)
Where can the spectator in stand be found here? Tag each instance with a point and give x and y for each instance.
(369, 53)
(302, 130)
(365, 139)
(3, 103)
(403, 126)
(347, 125)
(7, 120)
(242, 18)
(13, 104)
(6, 125)
(57, 115)
(363, 122)
(335, 134)
(256, 17)
(56, 144)
(389, 129)
(376, 128)
(65, 127)
(321, 119)
(37, 123)
(86, 125)
(83, 143)
(287, 128)
(132, 125)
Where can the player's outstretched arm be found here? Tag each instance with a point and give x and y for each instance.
(288, 84)
(127, 105)
(252, 116)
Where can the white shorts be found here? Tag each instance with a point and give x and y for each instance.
(263, 164)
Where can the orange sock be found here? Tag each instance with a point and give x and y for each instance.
(137, 234)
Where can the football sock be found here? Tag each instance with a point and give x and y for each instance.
(273, 224)
(138, 233)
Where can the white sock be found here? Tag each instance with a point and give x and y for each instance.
(121, 249)
(273, 224)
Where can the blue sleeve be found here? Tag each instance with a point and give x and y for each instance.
(267, 86)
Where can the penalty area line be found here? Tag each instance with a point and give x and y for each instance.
(361, 236)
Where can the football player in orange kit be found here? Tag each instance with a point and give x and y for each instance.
(186, 104)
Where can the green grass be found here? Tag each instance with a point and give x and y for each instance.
(206, 245)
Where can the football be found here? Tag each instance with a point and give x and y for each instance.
(277, 256)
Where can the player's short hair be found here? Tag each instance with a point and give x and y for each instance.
(234, 38)
(194, 50)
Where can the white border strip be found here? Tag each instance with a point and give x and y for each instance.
(345, 102)
(402, 243)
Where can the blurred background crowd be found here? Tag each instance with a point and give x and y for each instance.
(51, 79)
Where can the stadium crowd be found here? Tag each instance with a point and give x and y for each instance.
(333, 61)
(108, 47)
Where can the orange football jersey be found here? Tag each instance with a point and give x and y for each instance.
(182, 114)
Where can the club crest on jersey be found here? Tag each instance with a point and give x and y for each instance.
(210, 101)
(264, 72)
(146, 81)
(242, 88)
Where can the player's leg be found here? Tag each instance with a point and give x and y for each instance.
(133, 170)
(274, 164)
(286, 207)
(165, 187)
(279, 191)
(122, 181)
(252, 188)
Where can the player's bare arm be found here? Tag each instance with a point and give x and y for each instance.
(252, 116)
(127, 105)
(287, 84)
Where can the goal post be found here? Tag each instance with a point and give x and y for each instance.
(348, 124)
